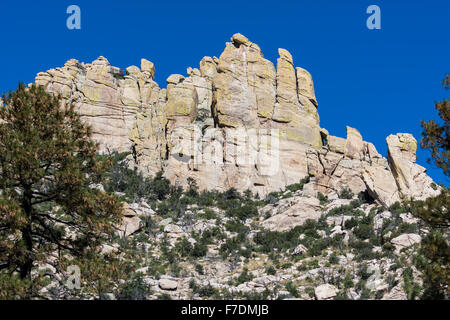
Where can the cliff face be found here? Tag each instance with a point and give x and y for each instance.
(237, 121)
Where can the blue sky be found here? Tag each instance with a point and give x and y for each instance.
(378, 81)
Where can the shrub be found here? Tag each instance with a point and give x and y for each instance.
(310, 292)
(298, 186)
(236, 226)
(246, 211)
(205, 291)
(333, 259)
(199, 269)
(245, 276)
(208, 214)
(359, 244)
(412, 289)
(271, 271)
(192, 188)
(363, 272)
(322, 198)
(366, 254)
(135, 289)
(318, 246)
(363, 231)
(292, 289)
(199, 250)
(348, 281)
(349, 224)
(348, 210)
(184, 247)
(346, 193)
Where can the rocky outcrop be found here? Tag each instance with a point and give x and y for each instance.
(409, 176)
(292, 212)
(236, 121)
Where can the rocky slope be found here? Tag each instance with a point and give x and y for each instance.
(290, 245)
(236, 121)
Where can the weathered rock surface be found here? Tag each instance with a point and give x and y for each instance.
(293, 213)
(405, 240)
(409, 176)
(325, 292)
(167, 284)
(236, 121)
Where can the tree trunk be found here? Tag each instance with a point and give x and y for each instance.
(25, 268)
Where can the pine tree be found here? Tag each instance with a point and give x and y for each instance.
(50, 202)
(433, 257)
(437, 137)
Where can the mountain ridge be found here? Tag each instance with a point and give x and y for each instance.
(237, 121)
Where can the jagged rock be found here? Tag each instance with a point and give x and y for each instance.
(148, 66)
(336, 144)
(325, 292)
(236, 121)
(409, 176)
(354, 146)
(193, 72)
(287, 100)
(244, 86)
(296, 118)
(109, 296)
(397, 293)
(299, 250)
(336, 230)
(208, 68)
(305, 85)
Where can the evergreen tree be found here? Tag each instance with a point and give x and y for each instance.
(433, 257)
(437, 137)
(50, 202)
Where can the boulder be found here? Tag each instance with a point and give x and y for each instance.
(167, 284)
(129, 226)
(405, 240)
(325, 292)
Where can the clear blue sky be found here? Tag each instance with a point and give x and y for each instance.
(378, 81)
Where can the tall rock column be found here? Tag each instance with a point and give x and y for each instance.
(244, 87)
(294, 113)
(148, 133)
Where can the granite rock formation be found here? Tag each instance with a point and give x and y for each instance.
(236, 121)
